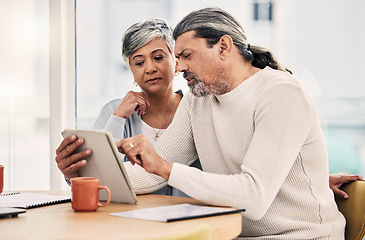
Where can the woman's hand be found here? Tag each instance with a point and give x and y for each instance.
(140, 151)
(68, 162)
(336, 180)
(133, 101)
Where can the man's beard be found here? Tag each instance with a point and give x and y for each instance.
(200, 89)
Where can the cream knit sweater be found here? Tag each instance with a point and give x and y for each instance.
(262, 149)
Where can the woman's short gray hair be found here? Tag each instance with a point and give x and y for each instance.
(141, 33)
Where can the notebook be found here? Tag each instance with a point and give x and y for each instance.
(105, 163)
(30, 200)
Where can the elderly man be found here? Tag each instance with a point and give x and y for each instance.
(255, 130)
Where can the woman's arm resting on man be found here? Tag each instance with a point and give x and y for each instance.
(337, 179)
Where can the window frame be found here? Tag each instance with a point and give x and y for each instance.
(62, 80)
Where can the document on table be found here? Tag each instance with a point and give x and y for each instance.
(30, 200)
(176, 212)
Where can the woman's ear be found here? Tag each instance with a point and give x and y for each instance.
(225, 46)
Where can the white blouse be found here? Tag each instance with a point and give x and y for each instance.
(151, 133)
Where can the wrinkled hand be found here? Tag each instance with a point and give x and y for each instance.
(336, 180)
(140, 151)
(133, 101)
(68, 162)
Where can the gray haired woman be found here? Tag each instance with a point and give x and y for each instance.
(147, 49)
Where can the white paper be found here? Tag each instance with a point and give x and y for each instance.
(167, 213)
(28, 200)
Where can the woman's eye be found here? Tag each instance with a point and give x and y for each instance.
(187, 55)
(139, 63)
(159, 58)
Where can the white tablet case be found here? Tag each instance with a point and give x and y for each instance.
(105, 163)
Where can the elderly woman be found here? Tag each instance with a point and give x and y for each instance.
(147, 48)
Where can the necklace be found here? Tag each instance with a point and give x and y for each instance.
(157, 133)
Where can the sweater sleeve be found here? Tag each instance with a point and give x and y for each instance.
(109, 122)
(175, 145)
(282, 119)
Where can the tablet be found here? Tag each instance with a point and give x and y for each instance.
(104, 163)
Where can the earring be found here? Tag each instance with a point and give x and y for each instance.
(177, 74)
(135, 83)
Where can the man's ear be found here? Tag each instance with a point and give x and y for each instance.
(225, 46)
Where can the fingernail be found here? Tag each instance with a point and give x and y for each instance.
(346, 196)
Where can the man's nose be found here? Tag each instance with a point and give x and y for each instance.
(181, 66)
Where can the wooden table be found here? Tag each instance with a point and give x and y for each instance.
(61, 222)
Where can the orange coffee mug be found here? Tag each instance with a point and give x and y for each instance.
(1, 178)
(85, 194)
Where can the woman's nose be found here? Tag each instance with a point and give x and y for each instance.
(151, 67)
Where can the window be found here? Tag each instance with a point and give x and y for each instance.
(24, 94)
(262, 11)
